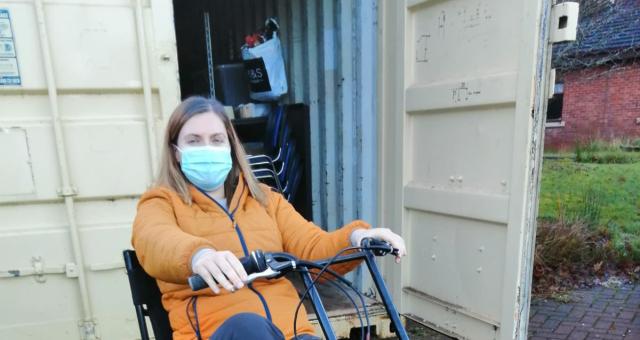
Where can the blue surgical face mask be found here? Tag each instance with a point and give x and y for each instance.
(206, 167)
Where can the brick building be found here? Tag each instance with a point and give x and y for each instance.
(597, 92)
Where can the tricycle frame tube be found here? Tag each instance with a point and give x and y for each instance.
(385, 296)
(321, 312)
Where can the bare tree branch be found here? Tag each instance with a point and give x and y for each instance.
(608, 34)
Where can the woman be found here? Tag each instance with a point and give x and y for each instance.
(208, 210)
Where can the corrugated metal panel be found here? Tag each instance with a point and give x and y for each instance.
(330, 54)
(330, 48)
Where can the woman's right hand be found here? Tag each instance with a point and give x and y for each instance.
(222, 266)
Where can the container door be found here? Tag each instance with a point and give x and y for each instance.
(462, 96)
(82, 109)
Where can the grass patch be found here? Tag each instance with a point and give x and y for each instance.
(601, 198)
(588, 222)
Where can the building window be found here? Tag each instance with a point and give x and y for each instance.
(554, 107)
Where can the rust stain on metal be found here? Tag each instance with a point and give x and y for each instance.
(424, 295)
(451, 307)
(434, 326)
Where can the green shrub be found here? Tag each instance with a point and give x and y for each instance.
(590, 207)
(583, 207)
(626, 243)
(604, 153)
(568, 251)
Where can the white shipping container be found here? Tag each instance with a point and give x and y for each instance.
(461, 95)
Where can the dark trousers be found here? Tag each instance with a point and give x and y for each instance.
(249, 326)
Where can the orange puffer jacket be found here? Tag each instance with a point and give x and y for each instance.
(167, 232)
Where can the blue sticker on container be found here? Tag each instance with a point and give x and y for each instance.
(9, 71)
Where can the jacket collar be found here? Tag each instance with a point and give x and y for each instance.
(236, 203)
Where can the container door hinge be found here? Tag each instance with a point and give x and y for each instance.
(67, 191)
(564, 22)
(552, 82)
(88, 330)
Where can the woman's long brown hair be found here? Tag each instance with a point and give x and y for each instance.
(170, 174)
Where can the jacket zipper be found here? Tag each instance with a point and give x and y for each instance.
(245, 250)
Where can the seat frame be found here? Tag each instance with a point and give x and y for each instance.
(146, 300)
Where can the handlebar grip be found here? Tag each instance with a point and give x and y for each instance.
(383, 247)
(254, 263)
(196, 282)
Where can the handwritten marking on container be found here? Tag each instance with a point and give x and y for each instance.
(474, 16)
(462, 93)
(442, 20)
(422, 49)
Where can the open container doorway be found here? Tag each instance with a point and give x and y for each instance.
(329, 50)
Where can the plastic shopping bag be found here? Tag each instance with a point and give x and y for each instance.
(265, 70)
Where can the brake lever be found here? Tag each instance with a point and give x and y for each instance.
(275, 267)
(267, 274)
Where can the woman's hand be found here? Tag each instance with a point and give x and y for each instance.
(222, 266)
(383, 234)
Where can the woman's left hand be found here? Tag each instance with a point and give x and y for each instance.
(384, 234)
